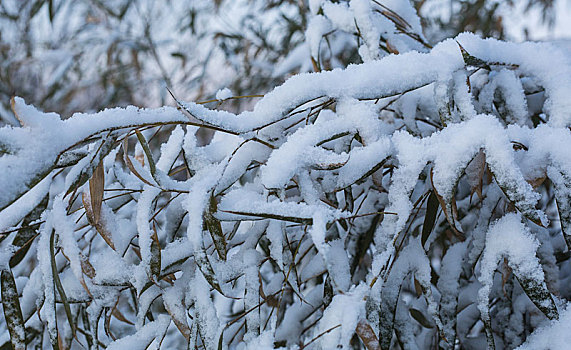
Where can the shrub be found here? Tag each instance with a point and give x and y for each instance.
(416, 200)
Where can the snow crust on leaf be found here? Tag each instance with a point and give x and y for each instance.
(508, 238)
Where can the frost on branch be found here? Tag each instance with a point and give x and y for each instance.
(338, 212)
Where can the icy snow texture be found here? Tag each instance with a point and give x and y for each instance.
(555, 336)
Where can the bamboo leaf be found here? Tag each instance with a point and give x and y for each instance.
(129, 163)
(221, 341)
(118, 315)
(215, 228)
(206, 268)
(86, 173)
(86, 266)
(446, 208)
(328, 293)
(70, 158)
(51, 10)
(367, 335)
(58, 284)
(299, 220)
(475, 173)
(147, 151)
(329, 166)
(100, 225)
(365, 240)
(26, 235)
(562, 185)
(515, 196)
(12, 310)
(539, 295)
(429, 217)
(387, 314)
(177, 311)
(470, 60)
(96, 187)
(420, 318)
(155, 263)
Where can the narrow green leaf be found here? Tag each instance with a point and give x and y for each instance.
(69, 158)
(387, 314)
(26, 235)
(155, 263)
(206, 268)
(328, 293)
(429, 217)
(420, 318)
(371, 171)
(299, 220)
(489, 335)
(334, 137)
(51, 10)
(562, 185)
(86, 173)
(515, 195)
(539, 295)
(58, 284)
(215, 228)
(100, 226)
(12, 310)
(147, 151)
(470, 60)
(447, 207)
(220, 341)
(364, 241)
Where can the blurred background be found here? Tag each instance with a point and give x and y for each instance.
(72, 56)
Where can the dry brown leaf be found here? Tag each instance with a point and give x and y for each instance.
(391, 49)
(182, 325)
(99, 226)
(475, 173)
(118, 315)
(535, 183)
(449, 216)
(96, 187)
(129, 163)
(367, 335)
(86, 266)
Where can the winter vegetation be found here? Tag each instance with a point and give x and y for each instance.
(357, 174)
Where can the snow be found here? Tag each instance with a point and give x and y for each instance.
(13, 214)
(554, 336)
(206, 315)
(224, 94)
(508, 238)
(39, 145)
(345, 310)
(318, 26)
(448, 286)
(147, 336)
(319, 193)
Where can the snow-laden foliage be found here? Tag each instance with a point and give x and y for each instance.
(417, 200)
(85, 55)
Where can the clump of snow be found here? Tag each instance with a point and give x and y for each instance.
(508, 238)
(224, 94)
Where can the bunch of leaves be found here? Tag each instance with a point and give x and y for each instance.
(484, 17)
(398, 203)
(109, 49)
